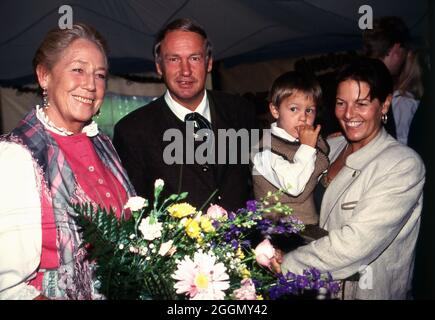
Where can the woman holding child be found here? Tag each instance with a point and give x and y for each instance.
(372, 203)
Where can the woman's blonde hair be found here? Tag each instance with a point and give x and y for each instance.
(410, 79)
(57, 40)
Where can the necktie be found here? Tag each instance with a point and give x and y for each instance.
(199, 122)
(201, 139)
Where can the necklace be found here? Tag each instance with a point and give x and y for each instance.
(46, 120)
(91, 129)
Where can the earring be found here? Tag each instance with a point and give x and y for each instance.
(384, 118)
(45, 103)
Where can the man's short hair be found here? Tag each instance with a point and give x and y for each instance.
(182, 24)
(386, 31)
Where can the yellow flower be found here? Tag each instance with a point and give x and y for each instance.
(245, 273)
(240, 253)
(180, 210)
(192, 228)
(206, 224)
(260, 297)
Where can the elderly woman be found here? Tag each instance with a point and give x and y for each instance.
(56, 157)
(372, 203)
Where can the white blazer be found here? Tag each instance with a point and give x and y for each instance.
(372, 212)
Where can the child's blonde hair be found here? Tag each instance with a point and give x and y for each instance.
(290, 82)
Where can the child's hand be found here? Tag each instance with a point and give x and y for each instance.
(308, 135)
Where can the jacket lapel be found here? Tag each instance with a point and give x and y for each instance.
(179, 169)
(335, 190)
(355, 163)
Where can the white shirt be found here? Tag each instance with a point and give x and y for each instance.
(289, 176)
(20, 216)
(404, 108)
(181, 111)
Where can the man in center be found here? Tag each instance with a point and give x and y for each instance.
(183, 58)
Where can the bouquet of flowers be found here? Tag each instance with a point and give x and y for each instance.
(170, 250)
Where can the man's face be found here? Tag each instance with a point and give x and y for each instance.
(184, 66)
(396, 59)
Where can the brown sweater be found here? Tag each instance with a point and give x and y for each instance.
(303, 205)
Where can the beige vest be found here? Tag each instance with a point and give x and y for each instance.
(303, 205)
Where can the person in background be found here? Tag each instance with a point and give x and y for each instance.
(54, 158)
(298, 155)
(373, 199)
(183, 58)
(388, 41)
(406, 97)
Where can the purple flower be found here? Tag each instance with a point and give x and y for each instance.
(251, 205)
(234, 244)
(264, 226)
(227, 236)
(302, 282)
(334, 287)
(257, 283)
(315, 273)
(215, 224)
(318, 284)
(231, 216)
(280, 229)
(291, 283)
(290, 276)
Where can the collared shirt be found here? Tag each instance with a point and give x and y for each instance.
(91, 129)
(289, 176)
(181, 111)
(404, 108)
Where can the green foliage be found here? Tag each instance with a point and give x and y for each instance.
(136, 258)
(118, 273)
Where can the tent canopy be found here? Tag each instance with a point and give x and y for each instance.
(240, 30)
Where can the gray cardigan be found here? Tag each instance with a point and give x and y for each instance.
(372, 212)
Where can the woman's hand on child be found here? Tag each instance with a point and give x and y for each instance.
(308, 134)
(276, 261)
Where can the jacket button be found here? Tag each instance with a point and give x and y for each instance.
(204, 168)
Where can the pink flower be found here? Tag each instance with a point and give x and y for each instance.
(264, 252)
(201, 278)
(215, 212)
(246, 291)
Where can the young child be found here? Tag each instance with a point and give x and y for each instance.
(297, 155)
